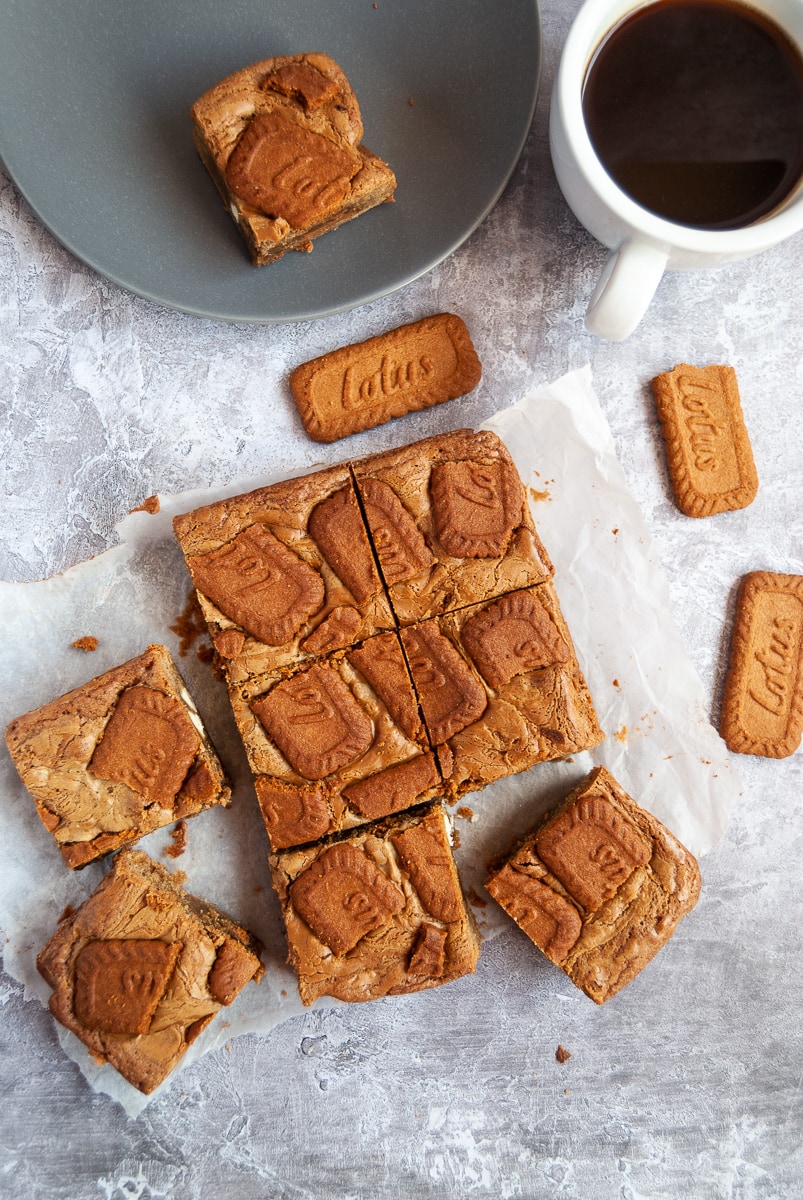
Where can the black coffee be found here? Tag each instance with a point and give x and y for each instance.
(695, 107)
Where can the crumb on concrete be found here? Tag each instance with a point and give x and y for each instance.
(87, 643)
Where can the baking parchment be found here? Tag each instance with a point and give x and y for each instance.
(659, 742)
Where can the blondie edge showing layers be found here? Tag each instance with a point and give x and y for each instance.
(282, 141)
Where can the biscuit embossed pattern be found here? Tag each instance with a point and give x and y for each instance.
(406, 369)
(708, 449)
(762, 705)
(282, 140)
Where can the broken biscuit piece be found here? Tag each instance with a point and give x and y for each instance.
(599, 886)
(282, 142)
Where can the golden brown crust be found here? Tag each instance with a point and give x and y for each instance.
(323, 743)
(599, 886)
(116, 758)
(326, 571)
(762, 705)
(707, 445)
(499, 549)
(281, 140)
(380, 912)
(539, 708)
(406, 369)
(142, 966)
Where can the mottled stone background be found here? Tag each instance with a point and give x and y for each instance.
(687, 1085)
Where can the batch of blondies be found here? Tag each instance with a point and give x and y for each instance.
(391, 641)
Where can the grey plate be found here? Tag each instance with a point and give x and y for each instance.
(94, 130)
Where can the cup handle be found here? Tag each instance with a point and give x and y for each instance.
(625, 289)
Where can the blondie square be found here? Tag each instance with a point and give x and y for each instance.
(599, 886)
(450, 523)
(142, 967)
(282, 141)
(284, 573)
(500, 688)
(336, 743)
(377, 912)
(116, 758)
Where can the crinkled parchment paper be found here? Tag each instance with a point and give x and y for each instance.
(659, 742)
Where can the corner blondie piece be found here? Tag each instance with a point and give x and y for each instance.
(599, 887)
(284, 573)
(450, 523)
(118, 757)
(377, 913)
(336, 744)
(282, 142)
(142, 967)
(500, 688)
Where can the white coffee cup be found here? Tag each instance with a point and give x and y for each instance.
(643, 245)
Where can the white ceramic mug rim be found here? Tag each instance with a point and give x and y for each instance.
(586, 32)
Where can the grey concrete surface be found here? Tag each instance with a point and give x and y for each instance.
(688, 1084)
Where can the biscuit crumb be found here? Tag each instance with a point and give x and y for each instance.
(477, 900)
(151, 505)
(411, 102)
(179, 836)
(621, 735)
(189, 626)
(87, 643)
(562, 1054)
(466, 813)
(536, 495)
